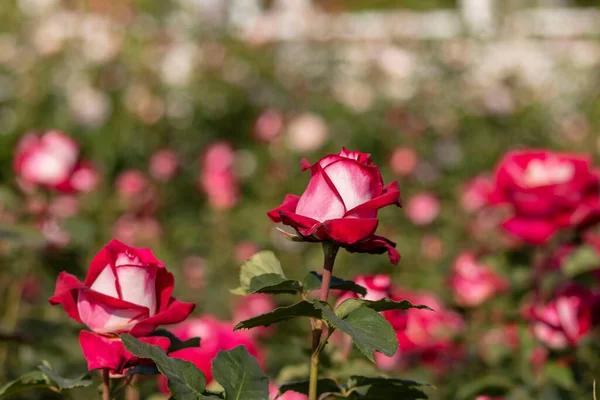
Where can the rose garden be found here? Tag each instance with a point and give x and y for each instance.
(222, 210)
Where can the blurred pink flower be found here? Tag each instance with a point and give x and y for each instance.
(268, 125)
(194, 272)
(403, 161)
(218, 180)
(64, 206)
(163, 165)
(432, 247)
(475, 193)
(473, 282)
(139, 231)
(244, 250)
(251, 306)
(422, 208)
(565, 320)
(289, 395)
(131, 183)
(505, 337)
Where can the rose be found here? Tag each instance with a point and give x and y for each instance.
(216, 336)
(126, 290)
(565, 320)
(52, 160)
(473, 282)
(101, 351)
(340, 204)
(474, 194)
(218, 180)
(546, 191)
(422, 209)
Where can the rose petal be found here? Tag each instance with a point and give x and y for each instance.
(376, 245)
(289, 204)
(175, 312)
(533, 231)
(350, 230)
(320, 201)
(356, 184)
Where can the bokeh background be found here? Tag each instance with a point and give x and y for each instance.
(196, 113)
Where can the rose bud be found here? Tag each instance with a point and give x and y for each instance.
(163, 165)
(565, 320)
(126, 290)
(216, 336)
(251, 306)
(546, 191)
(340, 204)
(474, 283)
(102, 351)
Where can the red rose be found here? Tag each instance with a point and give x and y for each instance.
(547, 191)
(340, 204)
(102, 351)
(216, 336)
(126, 290)
(565, 320)
(473, 283)
(52, 160)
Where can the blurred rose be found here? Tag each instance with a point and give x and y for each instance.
(268, 125)
(131, 183)
(51, 160)
(32, 286)
(473, 282)
(403, 161)
(163, 165)
(216, 336)
(194, 271)
(475, 193)
(503, 340)
(547, 191)
(251, 306)
(244, 250)
(126, 290)
(137, 230)
(432, 247)
(422, 208)
(340, 204)
(289, 395)
(217, 178)
(306, 133)
(102, 351)
(64, 206)
(565, 320)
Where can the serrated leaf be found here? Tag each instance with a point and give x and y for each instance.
(240, 375)
(263, 262)
(185, 381)
(313, 281)
(176, 343)
(582, 260)
(62, 383)
(368, 329)
(385, 304)
(301, 309)
(273, 284)
(323, 386)
(31, 380)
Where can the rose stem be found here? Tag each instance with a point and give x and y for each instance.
(330, 251)
(105, 384)
(131, 392)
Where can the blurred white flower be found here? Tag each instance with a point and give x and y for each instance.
(38, 7)
(306, 133)
(101, 38)
(397, 62)
(50, 35)
(355, 94)
(90, 107)
(178, 65)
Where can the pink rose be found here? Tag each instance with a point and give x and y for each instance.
(126, 290)
(218, 180)
(216, 336)
(102, 351)
(547, 191)
(473, 283)
(340, 204)
(164, 164)
(475, 193)
(422, 208)
(565, 320)
(131, 183)
(52, 160)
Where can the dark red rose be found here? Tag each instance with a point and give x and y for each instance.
(340, 204)
(547, 191)
(126, 290)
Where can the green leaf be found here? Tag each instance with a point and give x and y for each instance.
(385, 304)
(64, 383)
(264, 262)
(274, 284)
(301, 309)
(31, 380)
(185, 381)
(582, 260)
(389, 391)
(369, 330)
(240, 375)
(313, 280)
(561, 375)
(359, 380)
(323, 386)
(176, 343)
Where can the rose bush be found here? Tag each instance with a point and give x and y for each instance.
(340, 204)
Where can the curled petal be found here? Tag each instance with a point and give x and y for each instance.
(175, 312)
(350, 230)
(376, 245)
(289, 204)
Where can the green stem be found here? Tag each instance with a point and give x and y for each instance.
(330, 251)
